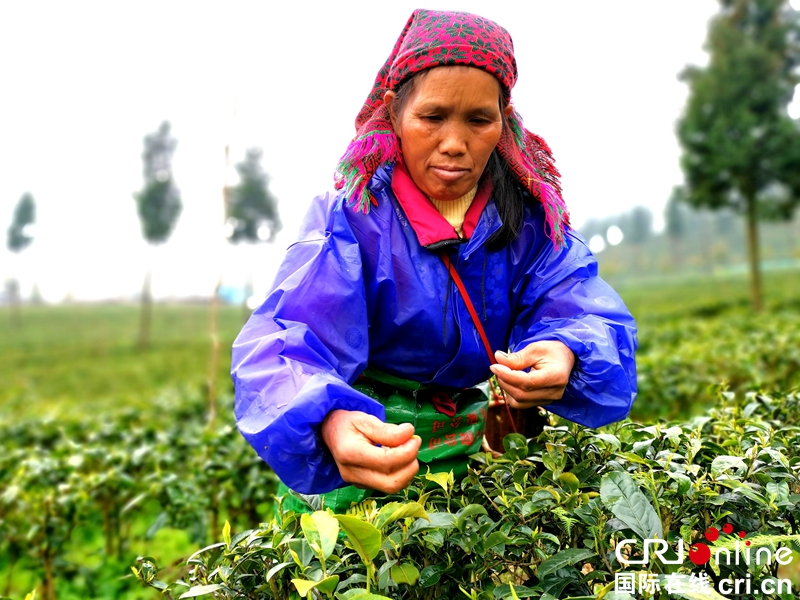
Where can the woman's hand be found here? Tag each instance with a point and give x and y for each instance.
(550, 365)
(352, 438)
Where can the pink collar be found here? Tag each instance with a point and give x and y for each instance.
(429, 225)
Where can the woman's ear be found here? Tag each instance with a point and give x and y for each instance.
(507, 110)
(388, 100)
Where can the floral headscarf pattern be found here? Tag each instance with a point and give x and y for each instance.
(439, 38)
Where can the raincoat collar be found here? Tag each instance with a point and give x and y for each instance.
(432, 229)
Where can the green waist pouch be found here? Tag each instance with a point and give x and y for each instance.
(450, 422)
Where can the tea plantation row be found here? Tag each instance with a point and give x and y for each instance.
(123, 470)
(543, 521)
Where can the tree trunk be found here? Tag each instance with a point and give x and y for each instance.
(48, 586)
(213, 365)
(248, 291)
(13, 556)
(676, 253)
(108, 530)
(146, 314)
(753, 258)
(14, 302)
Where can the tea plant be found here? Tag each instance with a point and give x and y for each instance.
(542, 521)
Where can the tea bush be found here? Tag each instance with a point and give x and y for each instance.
(542, 521)
(101, 487)
(680, 360)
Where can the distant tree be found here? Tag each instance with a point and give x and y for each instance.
(637, 228)
(250, 209)
(675, 223)
(251, 216)
(19, 233)
(740, 148)
(594, 227)
(675, 214)
(637, 225)
(159, 205)
(20, 236)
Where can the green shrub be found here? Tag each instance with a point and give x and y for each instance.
(680, 360)
(79, 498)
(542, 521)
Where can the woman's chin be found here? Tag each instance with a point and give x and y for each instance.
(453, 191)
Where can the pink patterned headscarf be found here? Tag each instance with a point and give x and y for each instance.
(439, 38)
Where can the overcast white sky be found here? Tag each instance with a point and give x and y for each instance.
(83, 82)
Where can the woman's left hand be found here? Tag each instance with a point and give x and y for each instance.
(550, 364)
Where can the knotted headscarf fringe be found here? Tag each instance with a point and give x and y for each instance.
(375, 147)
(531, 161)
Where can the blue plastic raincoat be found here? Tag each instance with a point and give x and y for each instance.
(360, 289)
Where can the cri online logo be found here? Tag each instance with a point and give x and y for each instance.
(700, 553)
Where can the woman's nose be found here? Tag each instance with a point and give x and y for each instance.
(453, 140)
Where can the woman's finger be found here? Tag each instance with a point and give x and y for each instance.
(519, 398)
(380, 459)
(529, 382)
(389, 483)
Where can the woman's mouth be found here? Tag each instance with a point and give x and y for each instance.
(449, 173)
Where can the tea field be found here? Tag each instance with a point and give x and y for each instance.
(108, 455)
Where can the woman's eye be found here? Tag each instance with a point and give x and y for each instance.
(433, 118)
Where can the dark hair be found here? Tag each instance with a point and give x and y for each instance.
(509, 195)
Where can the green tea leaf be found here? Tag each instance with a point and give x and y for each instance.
(562, 559)
(304, 585)
(441, 479)
(279, 567)
(744, 490)
(468, 511)
(200, 590)
(360, 595)
(436, 520)
(226, 533)
(570, 481)
(725, 463)
(495, 538)
(515, 441)
(399, 510)
(611, 440)
(321, 531)
(620, 494)
(405, 573)
(326, 586)
(431, 574)
(364, 537)
(504, 591)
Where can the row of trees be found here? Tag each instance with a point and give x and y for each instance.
(741, 149)
(251, 210)
(693, 240)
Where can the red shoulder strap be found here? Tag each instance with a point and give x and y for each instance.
(478, 325)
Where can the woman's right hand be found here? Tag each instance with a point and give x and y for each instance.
(371, 453)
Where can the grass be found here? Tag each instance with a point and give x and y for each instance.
(698, 297)
(68, 360)
(59, 359)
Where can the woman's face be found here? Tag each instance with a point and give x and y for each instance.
(448, 128)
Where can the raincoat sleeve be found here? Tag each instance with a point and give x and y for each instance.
(562, 298)
(297, 355)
